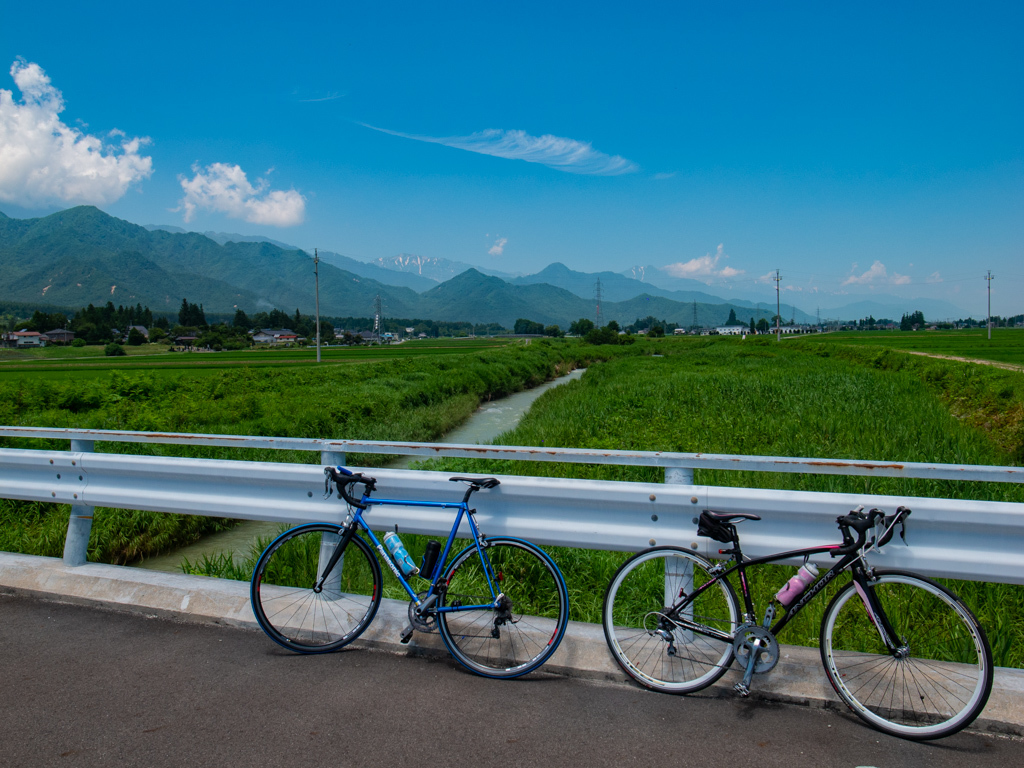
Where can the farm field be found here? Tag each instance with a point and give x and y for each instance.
(406, 398)
(1006, 345)
(766, 398)
(58, 362)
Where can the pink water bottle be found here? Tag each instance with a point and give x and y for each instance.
(793, 588)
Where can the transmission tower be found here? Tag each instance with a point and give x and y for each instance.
(597, 301)
(695, 326)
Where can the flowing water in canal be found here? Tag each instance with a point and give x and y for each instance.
(489, 421)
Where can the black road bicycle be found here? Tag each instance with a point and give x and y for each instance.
(902, 651)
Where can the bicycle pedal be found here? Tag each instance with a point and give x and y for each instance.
(406, 635)
(742, 690)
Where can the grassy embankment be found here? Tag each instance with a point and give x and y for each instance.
(1005, 346)
(408, 398)
(759, 397)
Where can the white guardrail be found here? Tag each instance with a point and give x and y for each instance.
(974, 540)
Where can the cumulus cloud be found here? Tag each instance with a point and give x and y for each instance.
(706, 267)
(553, 151)
(499, 247)
(876, 275)
(44, 161)
(225, 188)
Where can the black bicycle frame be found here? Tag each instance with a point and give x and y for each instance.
(851, 560)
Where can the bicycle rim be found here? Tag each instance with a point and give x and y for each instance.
(939, 680)
(301, 619)
(646, 642)
(521, 635)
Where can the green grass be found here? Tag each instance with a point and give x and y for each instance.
(1005, 346)
(405, 398)
(764, 398)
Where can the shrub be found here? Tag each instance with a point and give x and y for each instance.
(113, 350)
(78, 342)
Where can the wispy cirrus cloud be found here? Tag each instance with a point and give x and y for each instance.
(877, 274)
(555, 152)
(226, 188)
(705, 267)
(43, 160)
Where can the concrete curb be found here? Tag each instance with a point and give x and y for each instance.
(797, 679)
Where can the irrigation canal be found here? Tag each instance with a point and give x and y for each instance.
(489, 421)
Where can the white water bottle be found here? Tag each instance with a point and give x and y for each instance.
(394, 545)
(793, 588)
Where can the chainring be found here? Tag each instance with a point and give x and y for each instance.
(425, 623)
(751, 638)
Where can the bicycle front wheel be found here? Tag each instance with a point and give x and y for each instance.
(937, 680)
(504, 612)
(645, 636)
(292, 612)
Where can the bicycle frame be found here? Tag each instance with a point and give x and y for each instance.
(357, 522)
(852, 560)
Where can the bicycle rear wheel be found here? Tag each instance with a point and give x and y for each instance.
(522, 632)
(643, 636)
(938, 680)
(296, 616)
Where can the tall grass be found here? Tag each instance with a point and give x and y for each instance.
(764, 398)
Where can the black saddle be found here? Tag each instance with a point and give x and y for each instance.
(728, 517)
(477, 482)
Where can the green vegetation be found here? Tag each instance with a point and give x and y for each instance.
(761, 397)
(1006, 345)
(404, 398)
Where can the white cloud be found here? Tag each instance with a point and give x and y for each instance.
(706, 267)
(44, 161)
(934, 277)
(876, 275)
(225, 188)
(499, 247)
(553, 151)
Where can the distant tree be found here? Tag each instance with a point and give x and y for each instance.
(762, 325)
(613, 326)
(581, 327)
(135, 337)
(191, 314)
(78, 342)
(114, 350)
(656, 331)
(524, 326)
(241, 320)
(732, 317)
(553, 330)
(752, 326)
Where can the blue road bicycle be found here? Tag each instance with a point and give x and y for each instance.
(501, 604)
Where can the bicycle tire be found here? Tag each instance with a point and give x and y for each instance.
(285, 604)
(638, 631)
(912, 696)
(519, 638)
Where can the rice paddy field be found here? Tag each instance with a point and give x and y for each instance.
(1005, 346)
(813, 397)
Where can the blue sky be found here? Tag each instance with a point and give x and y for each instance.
(869, 149)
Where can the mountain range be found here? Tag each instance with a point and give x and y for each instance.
(82, 255)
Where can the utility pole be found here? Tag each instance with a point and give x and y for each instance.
(316, 272)
(377, 319)
(778, 307)
(695, 326)
(597, 300)
(989, 277)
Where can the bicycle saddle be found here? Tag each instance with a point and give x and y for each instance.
(728, 517)
(479, 482)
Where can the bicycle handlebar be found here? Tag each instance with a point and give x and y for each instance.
(862, 523)
(343, 479)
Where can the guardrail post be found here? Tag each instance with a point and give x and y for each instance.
(331, 587)
(679, 572)
(76, 545)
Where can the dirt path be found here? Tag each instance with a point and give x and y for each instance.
(1007, 366)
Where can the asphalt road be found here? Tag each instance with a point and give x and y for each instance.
(82, 687)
